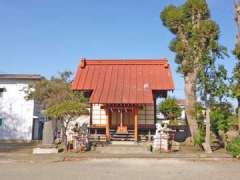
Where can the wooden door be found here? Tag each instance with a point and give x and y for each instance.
(127, 119)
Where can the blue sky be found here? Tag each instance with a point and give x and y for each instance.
(49, 36)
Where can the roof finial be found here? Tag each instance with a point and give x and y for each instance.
(82, 62)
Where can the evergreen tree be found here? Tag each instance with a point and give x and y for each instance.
(211, 85)
(196, 39)
(236, 72)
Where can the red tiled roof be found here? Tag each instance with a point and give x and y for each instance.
(123, 81)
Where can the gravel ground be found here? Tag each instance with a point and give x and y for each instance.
(118, 169)
(17, 162)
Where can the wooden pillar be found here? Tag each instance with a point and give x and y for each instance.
(136, 125)
(121, 119)
(155, 108)
(107, 124)
(91, 111)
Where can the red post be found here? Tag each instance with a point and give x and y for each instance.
(135, 124)
(107, 125)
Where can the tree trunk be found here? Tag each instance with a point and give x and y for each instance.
(64, 136)
(190, 95)
(207, 143)
(238, 115)
(223, 138)
(237, 9)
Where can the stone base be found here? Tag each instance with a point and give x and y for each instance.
(45, 151)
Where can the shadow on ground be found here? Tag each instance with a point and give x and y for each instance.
(14, 147)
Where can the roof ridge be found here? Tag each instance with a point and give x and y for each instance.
(85, 62)
(19, 76)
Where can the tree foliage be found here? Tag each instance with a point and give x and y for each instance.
(235, 84)
(234, 147)
(236, 80)
(196, 34)
(199, 137)
(58, 99)
(222, 117)
(236, 73)
(212, 82)
(67, 108)
(170, 109)
(55, 91)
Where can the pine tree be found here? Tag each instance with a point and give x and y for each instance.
(196, 39)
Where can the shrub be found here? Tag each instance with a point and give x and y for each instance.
(199, 137)
(234, 147)
(222, 120)
(221, 117)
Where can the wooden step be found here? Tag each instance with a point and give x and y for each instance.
(123, 135)
(129, 136)
(122, 139)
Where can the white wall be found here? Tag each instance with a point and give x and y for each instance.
(16, 111)
(145, 116)
(98, 115)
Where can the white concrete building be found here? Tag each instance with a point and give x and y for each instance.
(20, 119)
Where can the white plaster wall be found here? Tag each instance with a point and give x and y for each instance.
(98, 115)
(16, 111)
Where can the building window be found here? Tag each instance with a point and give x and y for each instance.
(1, 122)
(2, 90)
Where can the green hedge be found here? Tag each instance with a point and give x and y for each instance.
(234, 147)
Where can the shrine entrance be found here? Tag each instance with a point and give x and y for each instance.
(122, 121)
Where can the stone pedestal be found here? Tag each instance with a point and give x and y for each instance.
(160, 142)
(160, 139)
(45, 150)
